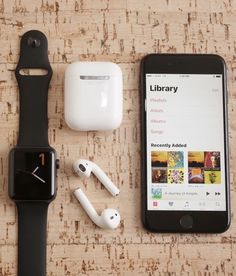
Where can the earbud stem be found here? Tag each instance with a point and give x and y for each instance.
(105, 180)
(88, 207)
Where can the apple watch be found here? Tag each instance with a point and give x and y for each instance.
(32, 163)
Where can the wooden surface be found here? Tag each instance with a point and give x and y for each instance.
(121, 31)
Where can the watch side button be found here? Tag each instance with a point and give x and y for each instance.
(57, 163)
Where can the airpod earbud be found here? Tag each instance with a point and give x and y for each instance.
(85, 167)
(109, 218)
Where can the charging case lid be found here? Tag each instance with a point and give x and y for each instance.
(93, 96)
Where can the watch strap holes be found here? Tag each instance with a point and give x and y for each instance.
(33, 72)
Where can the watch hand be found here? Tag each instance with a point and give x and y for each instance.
(39, 178)
(33, 173)
(35, 170)
(23, 171)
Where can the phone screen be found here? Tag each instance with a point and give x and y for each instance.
(185, 142)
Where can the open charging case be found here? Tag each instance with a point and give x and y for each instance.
(93, 96)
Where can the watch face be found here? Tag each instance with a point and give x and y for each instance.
(32, 174)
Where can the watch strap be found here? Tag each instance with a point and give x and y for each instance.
(32, 237)
(33, 89)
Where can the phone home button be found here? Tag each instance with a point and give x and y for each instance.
(186, 221)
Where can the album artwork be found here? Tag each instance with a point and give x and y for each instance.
(159, 175)
(212, 160)
(204, 167)
(212, 177)
(159, 158)
(175, 159)
(196, 159)
(156, 193)
(167, 167)
(196, 175)
(175, 176)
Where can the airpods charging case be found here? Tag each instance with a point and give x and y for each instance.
(93, 96)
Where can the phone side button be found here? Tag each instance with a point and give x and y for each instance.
(186, 222)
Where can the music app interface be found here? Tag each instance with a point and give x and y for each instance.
(185, 142)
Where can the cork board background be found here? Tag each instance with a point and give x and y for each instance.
(122, 31)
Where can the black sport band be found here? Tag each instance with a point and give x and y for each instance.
(33, 123)
(33, 133)
(32, 229)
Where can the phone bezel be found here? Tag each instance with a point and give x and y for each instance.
(169, 221)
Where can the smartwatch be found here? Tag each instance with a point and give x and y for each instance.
(32, 163)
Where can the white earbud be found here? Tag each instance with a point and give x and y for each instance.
(109, 218)
(85, 167)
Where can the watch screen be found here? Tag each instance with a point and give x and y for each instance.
(32, 174)
(185, 142)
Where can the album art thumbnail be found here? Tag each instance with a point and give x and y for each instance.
(159, 175)
(196, 175)
(156, 193)
(175, 176)
(212, 160)
(195, 159)
(212, 177)
(175, 159)
(159, 158)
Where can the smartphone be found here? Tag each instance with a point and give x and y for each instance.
(184, 141)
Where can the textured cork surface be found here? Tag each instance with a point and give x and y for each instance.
(123, 32)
